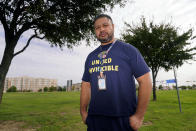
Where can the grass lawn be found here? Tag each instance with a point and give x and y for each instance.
(164, 114)
(59, 111)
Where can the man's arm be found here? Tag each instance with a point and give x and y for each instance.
(84, 99)
(144, 93)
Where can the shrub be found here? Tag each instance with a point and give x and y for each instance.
(52, 88)
(40, 90)
(12, 89)
(45, 89)
(60, 89)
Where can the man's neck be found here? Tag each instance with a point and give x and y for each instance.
(108, 42)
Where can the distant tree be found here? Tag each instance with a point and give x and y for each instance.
(189, 87)
(160, 87)
(26, 91)
(161, 45)
(185, 87)
(40, 90)
(12, 89)
(61, 22)
(193, 86)
(52, 88)
(64, 88)
(45, 89)
(59, 88)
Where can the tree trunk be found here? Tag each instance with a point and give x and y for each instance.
(2, 79)
(4, 67)
(154, 86)
(11, 42)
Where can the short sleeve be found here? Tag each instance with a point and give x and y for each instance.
(139, 65)
(86, 74)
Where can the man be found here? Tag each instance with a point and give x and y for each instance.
(108, 84)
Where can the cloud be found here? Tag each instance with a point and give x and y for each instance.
(40, 60)
(44, 61)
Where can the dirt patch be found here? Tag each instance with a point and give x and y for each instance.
(34, 114)
(62, 113)
(13, 126)
(147, 123)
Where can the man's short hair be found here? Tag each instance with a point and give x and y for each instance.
(101, 16)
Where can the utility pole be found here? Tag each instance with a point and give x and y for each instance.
(177, 89)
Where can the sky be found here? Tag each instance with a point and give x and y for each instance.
(41, 60)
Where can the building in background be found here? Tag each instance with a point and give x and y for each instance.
(73, 87)
(69, 85)
(76, 87)
(29, 83)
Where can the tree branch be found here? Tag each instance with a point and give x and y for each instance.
(16, 14)
(21, 18)
(28, 42)
(3, 20)
(24, 28)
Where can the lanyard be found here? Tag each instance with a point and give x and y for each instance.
(105, 55)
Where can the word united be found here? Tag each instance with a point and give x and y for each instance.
(103, 68)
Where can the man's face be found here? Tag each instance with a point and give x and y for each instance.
(104, 30)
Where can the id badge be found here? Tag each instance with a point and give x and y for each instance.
(102, 83)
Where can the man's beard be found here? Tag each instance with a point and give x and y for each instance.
(108, 39)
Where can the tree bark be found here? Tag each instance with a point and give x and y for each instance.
(154, 86)
(2, 79)
(4, 67)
